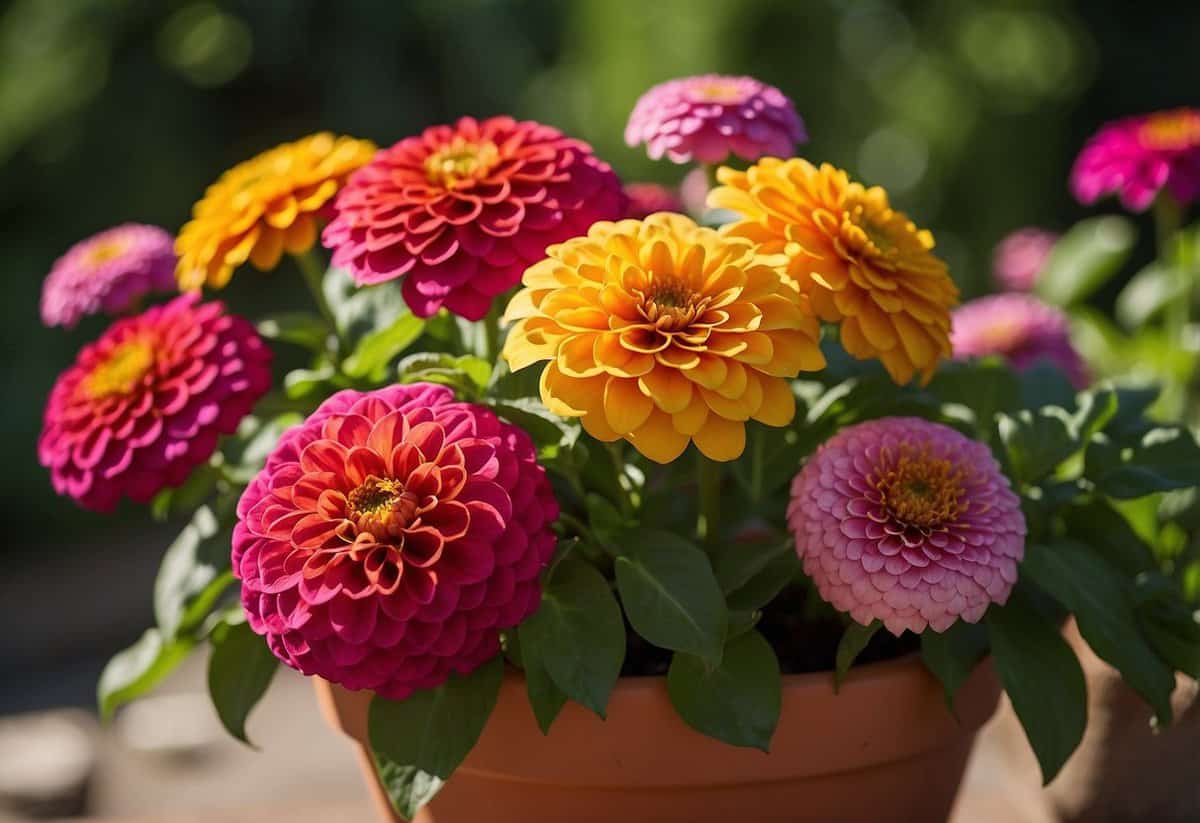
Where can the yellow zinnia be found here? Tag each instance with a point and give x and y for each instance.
(861, 263)
(660, 332)
(263, 207)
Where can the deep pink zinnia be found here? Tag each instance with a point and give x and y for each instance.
(146, 403)
(1137, 157)
(907, 522)
(1021, 329)
(646, 199)
(108, 272)
(1020, 257)
(461, 211)
(708, 117)
(392, 536)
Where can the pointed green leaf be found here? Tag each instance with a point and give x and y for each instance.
(240, 669)
(1085, 258)
(953, 654)
(193, 575)
(376, 350)
(854, 640)
(299, 328)
(138, 669)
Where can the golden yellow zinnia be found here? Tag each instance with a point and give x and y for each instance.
(861, 263)
(660, 332)
(265, 206)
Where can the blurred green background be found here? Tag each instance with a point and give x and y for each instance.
(969, 112)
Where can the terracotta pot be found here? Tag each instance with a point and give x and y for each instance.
(885, 749)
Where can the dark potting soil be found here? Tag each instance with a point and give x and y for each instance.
(804, 634)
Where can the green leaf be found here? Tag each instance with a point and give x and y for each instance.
(953, 654)
(361, 310)
(138, 669)
(376, 350)
(1085, 258)
(417, 743)
(193, 575)
(577, 636)
(1096, 409)
(1102, 604)
(198, 487)
(985, 386)
(782, 570)
(299, 328)
(670, 594)
(1147, 293)
(1042, 677)
(854, 640)
(1037, 442)
(467, 374)
(605, 518)
(736, 562)
(737, 702)
(302, 383)
(545, 697)
(545, 427)
(1100, 526)
(240, 669)
(1167, 458)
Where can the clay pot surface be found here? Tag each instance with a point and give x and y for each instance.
(885, 748)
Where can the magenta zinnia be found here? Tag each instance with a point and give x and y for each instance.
(1137, 157)
(1020, 257)
(460, 211)
(108, 272)
(1021, 329)
(391, 537)
(646, 199)
(907, 522)
(146, 403)
(709, 117)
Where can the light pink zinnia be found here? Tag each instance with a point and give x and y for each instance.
(708, 117)
(1020, 257)
(907, 522)
(1021, 329)
(1137, 157)
(391, 537)
(108, 272)
(461, 211)
(646, 199)
(146, 403)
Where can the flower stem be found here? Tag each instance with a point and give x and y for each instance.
(1167, 219)
(491, 334)
(313, 272)
(709, 480)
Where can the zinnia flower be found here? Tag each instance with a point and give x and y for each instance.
(460, 211)
(1020, 257)
(391, 537)
(265, 206)
(647, 198)
(661, 332)
(706, 118)
(860, 262)
(108, 272)
(1020, 328)
(1137, 157)
(145, 404)
(907, 522)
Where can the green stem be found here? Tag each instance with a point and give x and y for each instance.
(709, 480)
(491, 334)
(313, 272)
(1167, 220)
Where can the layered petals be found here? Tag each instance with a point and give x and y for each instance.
(907, 522)
(391, 537)
(146, 403)
(1021, 329)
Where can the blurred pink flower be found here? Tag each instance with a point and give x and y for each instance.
(1137, 157)
(907, 522)
(1021, 329)
(708, 117)
(1020, 257)
(646, 199)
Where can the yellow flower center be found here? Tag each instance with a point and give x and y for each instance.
(122, 371)
(922, 491)
(1171, 130)
(717, 91)
(105, 250)
(382, 507)
(461, 161)
(671, 304)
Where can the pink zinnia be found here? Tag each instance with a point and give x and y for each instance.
(706, 118)
(1137, 157)
(108, 272)
(461, 211)
(391, 537)
(1020, 257)
(1021, 329)
(646, 199)
(907, 522)
(146, 403)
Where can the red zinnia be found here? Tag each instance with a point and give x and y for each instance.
(392, 536)
(146, 403)
(460, 211)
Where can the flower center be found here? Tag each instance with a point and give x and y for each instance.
(460, 162)
(122, 371)
(382, 507)
(670, 304)
(717, 91)
(105, 250)
(923, 491)
(1171, 130)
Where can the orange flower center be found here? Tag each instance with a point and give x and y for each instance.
(1171, 130)
(461, 162)
(717, 91)
(381, 507)
(122, 371)
(106, 250)
(920, 490)
(671, 304)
